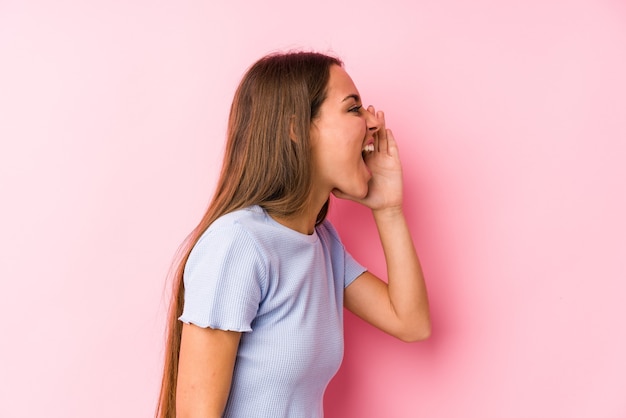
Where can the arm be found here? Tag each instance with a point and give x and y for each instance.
(205, 370)
(400, 307)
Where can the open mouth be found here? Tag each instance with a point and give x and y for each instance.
(367, 149)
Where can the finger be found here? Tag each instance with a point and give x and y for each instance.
(392, 145)
(382, 145)
(372, 110)
(380, 115)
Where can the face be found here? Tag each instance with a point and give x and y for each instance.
(342, 129)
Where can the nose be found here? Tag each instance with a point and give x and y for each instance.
(372, 122)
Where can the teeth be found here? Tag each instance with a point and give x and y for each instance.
(368, 148)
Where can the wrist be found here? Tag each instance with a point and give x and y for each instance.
(388, 213)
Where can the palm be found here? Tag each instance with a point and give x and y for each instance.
(385, 186)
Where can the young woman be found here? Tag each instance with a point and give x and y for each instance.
(255, 326)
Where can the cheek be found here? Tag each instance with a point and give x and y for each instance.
(342, 134)
(361, 127)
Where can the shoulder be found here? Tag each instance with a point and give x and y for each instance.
(232, 233)
(241, 218)
(241, 224)
(328, 233)
(227, 246)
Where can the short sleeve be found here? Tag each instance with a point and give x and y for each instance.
(351, 268)
(224, 279)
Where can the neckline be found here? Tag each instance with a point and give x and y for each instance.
(296, 234)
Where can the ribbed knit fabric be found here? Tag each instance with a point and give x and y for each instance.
(284, 291)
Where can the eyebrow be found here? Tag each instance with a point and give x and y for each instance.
(352, 96)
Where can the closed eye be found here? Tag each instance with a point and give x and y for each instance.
(355, 109)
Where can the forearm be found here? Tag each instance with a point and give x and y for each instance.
(406, 286)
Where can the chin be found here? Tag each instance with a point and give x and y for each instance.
(358, 189)
(354, 193)
(363, 192)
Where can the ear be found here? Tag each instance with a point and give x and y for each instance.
(292, 131)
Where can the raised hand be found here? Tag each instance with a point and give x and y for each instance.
(385, 186)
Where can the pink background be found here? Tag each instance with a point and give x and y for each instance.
(511, 118)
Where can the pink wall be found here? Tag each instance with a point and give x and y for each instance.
(511, 118)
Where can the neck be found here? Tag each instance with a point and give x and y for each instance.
(304, 221)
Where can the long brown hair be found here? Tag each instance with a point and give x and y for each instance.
(266, 163)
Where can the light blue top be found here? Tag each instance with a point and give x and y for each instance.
(284, 291)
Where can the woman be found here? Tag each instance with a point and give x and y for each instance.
(255, 326)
